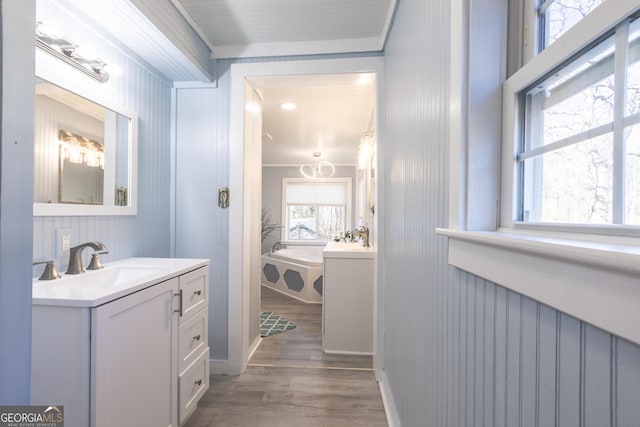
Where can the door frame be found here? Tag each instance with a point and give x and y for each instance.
(239, 238)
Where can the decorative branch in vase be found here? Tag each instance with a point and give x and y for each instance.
(268, 227)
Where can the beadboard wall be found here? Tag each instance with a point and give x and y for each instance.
(144, 91)
(458, 350)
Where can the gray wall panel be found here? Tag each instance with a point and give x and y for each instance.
(16, 196)
(568, 374)
(627, 385)
(201, 226)
(597, 377)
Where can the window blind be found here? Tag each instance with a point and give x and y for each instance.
(317, 193)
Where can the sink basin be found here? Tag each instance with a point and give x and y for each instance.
(115, 280)
(346, 246)
(109, 277)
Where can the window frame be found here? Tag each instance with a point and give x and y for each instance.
(595, 26)
(347, 181)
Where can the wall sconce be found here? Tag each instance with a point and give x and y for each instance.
(82, 57)
(366, 151)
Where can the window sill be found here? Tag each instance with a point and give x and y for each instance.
(595, 281)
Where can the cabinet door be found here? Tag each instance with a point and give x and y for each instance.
(134, 359)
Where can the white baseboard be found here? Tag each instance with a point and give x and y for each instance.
(387, 400)
(218, 367)
(349, 353)
(254, 347)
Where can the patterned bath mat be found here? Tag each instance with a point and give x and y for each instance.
(271, 324)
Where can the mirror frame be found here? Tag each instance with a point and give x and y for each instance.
(50, 69)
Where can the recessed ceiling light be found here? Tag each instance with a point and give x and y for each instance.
(289, 106)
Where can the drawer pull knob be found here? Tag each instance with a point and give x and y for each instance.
(198, 292)
(197, 337)
(199, 382)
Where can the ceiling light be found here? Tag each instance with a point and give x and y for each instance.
(288, 106)
(323, 169)
(365, 79)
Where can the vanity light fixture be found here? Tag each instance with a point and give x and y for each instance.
(84, 58)
(79, 149)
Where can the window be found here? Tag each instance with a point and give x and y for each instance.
(316, 209)
(556, 17)
(578, 160)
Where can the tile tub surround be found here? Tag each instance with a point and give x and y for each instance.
(295, 271)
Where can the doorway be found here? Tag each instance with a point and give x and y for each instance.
(243, 213)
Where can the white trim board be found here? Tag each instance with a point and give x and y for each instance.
(238, 344)
(598, 283)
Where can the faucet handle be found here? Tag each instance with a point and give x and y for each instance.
(95, 263)
(49, 272)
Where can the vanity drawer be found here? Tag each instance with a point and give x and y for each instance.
(194, 287)
(192, 384)
(192, 338)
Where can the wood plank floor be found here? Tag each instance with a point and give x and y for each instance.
(291, 382)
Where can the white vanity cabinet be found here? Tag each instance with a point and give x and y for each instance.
(141, 359)
(348, 299)
(193, 350)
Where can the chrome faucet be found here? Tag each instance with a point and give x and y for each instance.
(75, 256)
(276, 246)
(364, 232)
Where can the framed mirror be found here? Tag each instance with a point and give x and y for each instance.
(85, 154)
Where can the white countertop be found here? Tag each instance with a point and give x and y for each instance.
(348, 250)
(117, 279)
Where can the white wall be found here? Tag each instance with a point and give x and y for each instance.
(459, 350)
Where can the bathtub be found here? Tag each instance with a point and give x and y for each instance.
(295, 271)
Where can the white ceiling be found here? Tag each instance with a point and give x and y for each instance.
(332, 113)
(251, 28)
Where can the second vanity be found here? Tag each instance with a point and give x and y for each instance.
(123, 346)
(348, 298)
